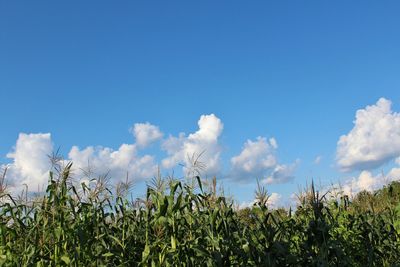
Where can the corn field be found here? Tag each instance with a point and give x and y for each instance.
(188, 224)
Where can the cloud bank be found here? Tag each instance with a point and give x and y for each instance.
(117, 164)
(369, 182)
(374, 139)
(30, 163)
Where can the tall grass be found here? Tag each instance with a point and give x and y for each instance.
(179, 224)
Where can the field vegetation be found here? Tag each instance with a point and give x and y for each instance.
(190, 223)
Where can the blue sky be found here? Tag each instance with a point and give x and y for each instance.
(293, 71)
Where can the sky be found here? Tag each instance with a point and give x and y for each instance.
(280, 91)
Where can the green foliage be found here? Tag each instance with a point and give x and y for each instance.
(180, 224)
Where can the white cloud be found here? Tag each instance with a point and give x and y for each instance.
(117, 163)
(204, 141)
(246, 204)
(258, 160)
(369, 182)
(317, 160)
(374, 140)
(174, 146)
(397, 161)
(274, 201)
(282, 173)
(146, 133)
(273, 143)
(393, 175)
(255, 159)
(30, 162)
(365, 181)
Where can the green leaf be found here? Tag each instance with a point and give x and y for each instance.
(146, 252)
(108, 254)
(65, 259)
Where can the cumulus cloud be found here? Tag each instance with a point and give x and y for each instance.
(374, 139)
(203, 143)
(256, 158)
(367, 181)
(274, 200)
(30, 162)
(282, 173)
(393, 175)
(146, 133)
(116, 163)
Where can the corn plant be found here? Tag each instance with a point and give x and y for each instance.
(183, 223)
